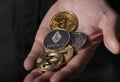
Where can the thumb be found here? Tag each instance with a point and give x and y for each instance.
(108, 25)
(36, 50)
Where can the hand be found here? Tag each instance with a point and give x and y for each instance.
(96, 19)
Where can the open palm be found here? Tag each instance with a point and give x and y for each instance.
(95, 18)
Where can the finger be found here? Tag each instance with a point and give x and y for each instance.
(108, 25)
(31, 76)
(74, 67)
(36, 50)
(37, 46)
(44, 78)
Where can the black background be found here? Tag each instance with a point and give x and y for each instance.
(19, 21)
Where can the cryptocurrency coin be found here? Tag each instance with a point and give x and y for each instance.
(78, 40)
(56, 39)
(64, 20)
(49, 61)
(67, 53)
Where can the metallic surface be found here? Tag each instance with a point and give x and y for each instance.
(49, 61)
(67, 53)
(56, 39)
(78, 40)
(64, 20)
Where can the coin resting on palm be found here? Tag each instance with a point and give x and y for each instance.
(56, 39)
(78, 40)
(67, 53)
(61, 42)
(49, 61)
(64, 20)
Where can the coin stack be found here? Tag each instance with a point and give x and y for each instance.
(61, 42)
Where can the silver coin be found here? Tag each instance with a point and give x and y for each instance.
(56, 39)
(78, 40)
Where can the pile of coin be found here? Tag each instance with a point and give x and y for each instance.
(61, 42)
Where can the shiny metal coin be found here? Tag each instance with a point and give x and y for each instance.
(49, 61)
(78, 40)
(64, 20)
(56, 39)
(67, 53)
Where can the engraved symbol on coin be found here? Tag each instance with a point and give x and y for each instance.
(78, 40)
(67, 53)
(56, 39)
(49, 61)
(64, 20)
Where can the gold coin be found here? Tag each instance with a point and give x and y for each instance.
(49, 61)
(67, 53)
(64, 20)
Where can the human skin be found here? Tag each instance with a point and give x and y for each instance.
(95, 18)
